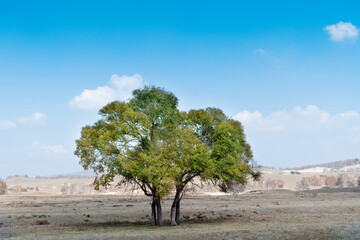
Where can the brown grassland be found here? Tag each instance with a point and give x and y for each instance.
(272, 214)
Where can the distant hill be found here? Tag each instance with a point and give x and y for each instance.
(333, 165)
(77, 175)
(338, 165)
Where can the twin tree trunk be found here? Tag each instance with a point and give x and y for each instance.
(156, 212)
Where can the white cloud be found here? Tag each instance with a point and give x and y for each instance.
(94, 99)
(36, 118)
(247, 117)
(260, 51)
(126, 84)
(119, 88)
(341, 31)
(298, 118)
(53, 150)
(302, 135)
(7, 124)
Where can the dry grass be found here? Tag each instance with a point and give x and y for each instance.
(280, 214)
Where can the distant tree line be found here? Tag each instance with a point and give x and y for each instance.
(342, 180)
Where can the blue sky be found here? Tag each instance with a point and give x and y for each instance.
(260, 62)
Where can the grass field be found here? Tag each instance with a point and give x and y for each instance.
(278, 214)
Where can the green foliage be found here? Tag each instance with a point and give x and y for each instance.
(129, 143)
(225, 154)
(159, 106)
(189, 157)
(151, 143)
(230, 153)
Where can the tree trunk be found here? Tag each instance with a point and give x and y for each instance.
(159, 212)
(173, 216)
(178, 213)
(175, 209)
(153, 213)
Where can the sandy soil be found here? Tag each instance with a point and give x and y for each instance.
(277, 214)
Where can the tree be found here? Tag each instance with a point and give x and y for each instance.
(220, 153)
(129, 141)
(330, 181)
(344, 180)
(151, 144)
(3, 187)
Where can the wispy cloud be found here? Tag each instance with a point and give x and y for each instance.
(342, 31)
(260, 52)
(51, 150)
(302, 135)
(36, 118)
(270, 58)
(4, 124)
(119, 88)
(299, 118)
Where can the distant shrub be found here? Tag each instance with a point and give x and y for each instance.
(280, 183)
(3, 187)
(304, 184)
(17, 189)
(330, 181)
(68, 189)
(344, 180)
(270, 184)
(274, 183)
(315, 181)
(254, 184)
(42, 222)
(234, 187)
(307, 182)
(231, 187)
